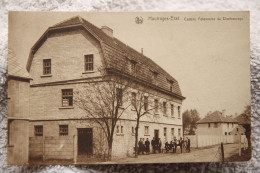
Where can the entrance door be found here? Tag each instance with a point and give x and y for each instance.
(156, 134)
(85, 141)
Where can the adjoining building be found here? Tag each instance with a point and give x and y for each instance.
(216, 123)
(215, 128)
(18, 112)
(67, 56)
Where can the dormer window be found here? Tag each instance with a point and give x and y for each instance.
(133, 66)
(154, 75)
(89, 62)
(170, 85)
(47, 66)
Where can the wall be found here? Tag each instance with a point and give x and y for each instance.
(66, 51)
(209, 140)
(18, 98)
(18, 112)
(53, 146)
(17, 148)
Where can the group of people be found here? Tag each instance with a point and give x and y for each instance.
(183, 144)
(144, 146)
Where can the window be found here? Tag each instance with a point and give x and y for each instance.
(232, 125)
(117, 129)
(172, 132)
(225, 133)
(172, 110)
(179, 132)
(67, 97)
(146, 130)
(171, 86)
(165, 133)
(38, 130)
(215, 125)
(122, 129)
(228, 125)
(164, 109)
(179, 112)
(64, 130)
(145, 103)
(119, 94)
(133, 130)
(156, 105)
(208, 125)
(89, 63)
(133, 66)
(46, 66)
(133, 100)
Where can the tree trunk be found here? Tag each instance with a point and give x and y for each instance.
(109, 154)
(136, 138)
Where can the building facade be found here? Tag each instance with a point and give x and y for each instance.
(67, 57)
(216, 123)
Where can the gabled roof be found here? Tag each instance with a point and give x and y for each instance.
(243, 119)
(117, 45)
(14, 68)
(217, 117)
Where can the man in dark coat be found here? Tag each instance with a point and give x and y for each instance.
(174, 145)
(153, 144)
(147, 146)
(188, 144)
(181, 143)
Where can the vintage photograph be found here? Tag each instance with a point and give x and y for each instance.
(128, 87)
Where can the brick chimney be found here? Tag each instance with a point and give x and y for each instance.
(107, 30)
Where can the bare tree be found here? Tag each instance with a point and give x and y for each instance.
(101, 102)
(141, 105)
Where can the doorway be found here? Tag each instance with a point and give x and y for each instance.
(156, 134)
(85, 141)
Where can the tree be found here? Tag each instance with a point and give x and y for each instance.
(189, 119)
(142, 106)
(101, 102)
(244, 119)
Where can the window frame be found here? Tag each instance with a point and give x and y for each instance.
(145, 103)
(133, 99)
(179, 112)
(88, 63)
(156, 106)
(63, 132)
(38, 130)
(68, 96)
(47, 67)
(165, 108)
(119, 96)
(172, 110)
(146, 130)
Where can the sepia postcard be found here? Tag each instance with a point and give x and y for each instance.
(128, 87)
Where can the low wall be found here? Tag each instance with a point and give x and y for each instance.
(209, 140)
(50, 147)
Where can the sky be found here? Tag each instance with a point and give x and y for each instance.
(210, 58)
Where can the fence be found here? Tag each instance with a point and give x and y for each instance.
(209, 140)
(50, 147)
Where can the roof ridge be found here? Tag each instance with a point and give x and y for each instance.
(66, 20)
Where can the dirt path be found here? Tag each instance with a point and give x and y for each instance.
(211, 154)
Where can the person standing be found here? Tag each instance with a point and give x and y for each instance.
(160, 145)
(181, 143)
(147, 146)
(188, 144)
(174, 145)
(153, 144)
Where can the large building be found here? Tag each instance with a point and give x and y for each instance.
(67, 57)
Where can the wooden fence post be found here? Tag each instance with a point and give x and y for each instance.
(222, 151)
